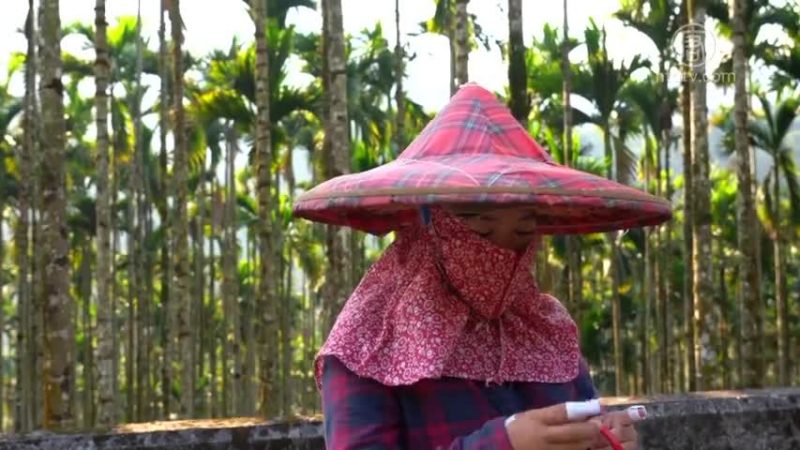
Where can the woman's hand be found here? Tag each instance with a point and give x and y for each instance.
(621, 425)
(549, 429)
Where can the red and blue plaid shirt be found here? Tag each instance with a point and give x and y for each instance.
(445, 413)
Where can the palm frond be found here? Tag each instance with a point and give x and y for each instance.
(789, 169)
(626, 161)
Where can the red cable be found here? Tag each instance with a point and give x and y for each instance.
(615, 444)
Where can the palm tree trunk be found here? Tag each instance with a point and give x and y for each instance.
(266, 304)
(2, 321)
(199, 291)
(616, 312)
(131, 323)
(451, 40)
(166, 275)
(702, 262)
(688, 273)
(517, 72)
(661, 270)
(724, 327)
(24, 399)
(59, 335)
(115, 288)
(670, 355)
(38, 251)
(780, 279)
(247, 406)
(305, 399)
(616, 319)
(149, 378)
(230, 280)
(656, 248)
(140, 211)
(749, 283)
(211, 325)
(462, 42)
(248, 364)
(337, 144)
(286, 338)
(250, 247)
(573, 243)
(106, 399)
(649, 285)
(250, 330)
(85, 290)
(399, 95)
(184, 330)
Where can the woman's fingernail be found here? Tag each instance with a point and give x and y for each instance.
(637, 413)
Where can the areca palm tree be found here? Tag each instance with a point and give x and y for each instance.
(140, 196)
(573, 244)
(462, 43)
(81, 220)
(741, 24)
(268, 274)
(451, 19)
(659, 20)
(106, 408)
(755, 14)
(337, 148)
(607, 80)
(181, 301)
(442, 23)
(601, 83)
(517, 74)
(59, 351)
(645, 97)
(26, 405)
(701, 213)
(771, 133)
(400, 96)
(232, 93)
(10, 107)
(371, 77)
(161, 201)
(746, 214)
(552, 84)
(785, 58)
(121, 61)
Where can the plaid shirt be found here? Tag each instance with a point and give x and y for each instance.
(445, 413)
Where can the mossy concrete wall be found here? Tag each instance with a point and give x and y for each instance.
(746, 420)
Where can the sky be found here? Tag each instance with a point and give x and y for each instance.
(211, 27)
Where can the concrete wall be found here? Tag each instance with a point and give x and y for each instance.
(747, 420)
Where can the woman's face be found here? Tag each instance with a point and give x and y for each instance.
(511, 228)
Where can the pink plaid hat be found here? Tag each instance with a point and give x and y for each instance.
(475, 152)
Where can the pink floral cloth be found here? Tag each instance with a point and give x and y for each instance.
(443, 301)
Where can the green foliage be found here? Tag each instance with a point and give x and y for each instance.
(659, 20)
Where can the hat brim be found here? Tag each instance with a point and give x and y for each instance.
(567, 201)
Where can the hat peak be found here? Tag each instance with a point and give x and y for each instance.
(475, 123)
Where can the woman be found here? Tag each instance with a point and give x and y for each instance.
(447, 342)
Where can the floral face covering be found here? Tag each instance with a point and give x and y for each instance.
(443, 301)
